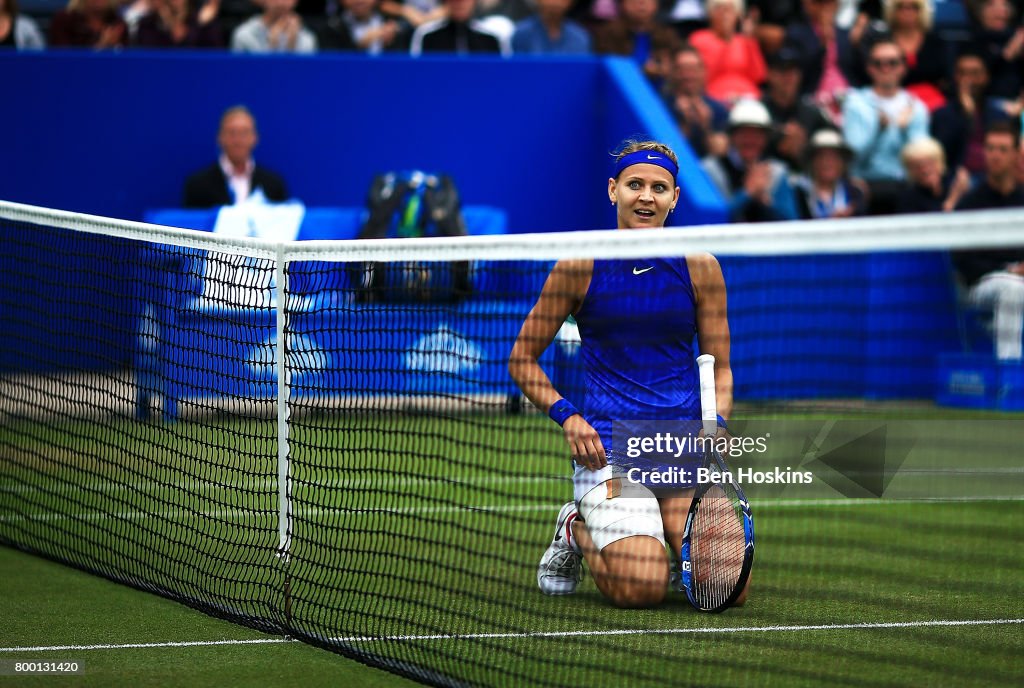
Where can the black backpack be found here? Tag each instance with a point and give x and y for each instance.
(408, 205)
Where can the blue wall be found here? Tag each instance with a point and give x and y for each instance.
(114, 134)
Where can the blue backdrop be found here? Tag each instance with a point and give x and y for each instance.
(115, 134)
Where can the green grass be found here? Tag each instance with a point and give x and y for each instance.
(47, 604)
(407, 527)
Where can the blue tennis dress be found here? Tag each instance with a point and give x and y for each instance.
(637, 324)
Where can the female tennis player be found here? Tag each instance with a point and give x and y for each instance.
(637, 321)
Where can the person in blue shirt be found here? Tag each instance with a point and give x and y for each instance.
(638, 320)
(548, 32)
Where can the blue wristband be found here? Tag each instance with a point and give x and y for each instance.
(722, 424)
(561, 410)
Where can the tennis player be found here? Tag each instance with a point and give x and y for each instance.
(637, 321)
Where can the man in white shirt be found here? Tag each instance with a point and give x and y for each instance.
(235, 176)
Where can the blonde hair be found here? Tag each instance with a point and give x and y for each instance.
(924, 147)
(926, 13)
(738, 4)
(633, 145)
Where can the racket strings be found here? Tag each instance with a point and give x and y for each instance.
(717, 547)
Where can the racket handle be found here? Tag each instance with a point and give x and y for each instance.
(708, 400)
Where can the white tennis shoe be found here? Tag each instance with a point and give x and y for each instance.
(561, 568)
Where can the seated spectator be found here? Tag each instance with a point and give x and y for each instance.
(457, 33)
(277, 30)
(361, 27)
(960, 124)
(827, 190)
(930, 187)
(235, 177)
(769, 19)
(878, 120)
(735, 65)
(755, 188)
(414, 12)
(18, 30)
(548, 32)
(999, 40)
(637, 33)
(685, 16)
(701, 118)
(995, 277)
(827, 59)
(928, 58)
(794, 116)
(88, 24)
(175, 23)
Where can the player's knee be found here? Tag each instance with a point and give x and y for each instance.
(642, 585)
(638, 594)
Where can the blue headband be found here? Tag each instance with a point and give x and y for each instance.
(646, 157)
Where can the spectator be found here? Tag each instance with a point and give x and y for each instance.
(414, 12)
(910, 24)
(457, 33)
(736, 67)
(960, 125)
(17, 30)
(827, 190)
(277, 30)
(794, 116)
(235, 177)
(995, 277)
(549, 32)
(878, 120)
(756, 189)
(637, 33)
(995, 34)
(769, 19)
(175, 23)
(701, 118)
(686, 16)
(88, 24)
(362, 27)
(827, 59)
(930, 188)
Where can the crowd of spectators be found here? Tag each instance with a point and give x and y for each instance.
(796, 108)
(879, 72)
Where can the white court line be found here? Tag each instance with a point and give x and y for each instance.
(314, 512)
(684, 631)
(538, 634)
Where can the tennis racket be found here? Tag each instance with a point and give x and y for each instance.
(718, 539)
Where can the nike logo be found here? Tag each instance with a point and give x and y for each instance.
(640, 272)
(654, 157)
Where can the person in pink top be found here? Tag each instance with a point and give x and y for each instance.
(735, 66)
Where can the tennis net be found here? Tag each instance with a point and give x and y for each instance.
(379, 486)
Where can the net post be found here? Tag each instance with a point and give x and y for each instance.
(280, 293)
(284, 493)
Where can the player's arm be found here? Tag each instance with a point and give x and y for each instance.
(713, 323)
(562, 295)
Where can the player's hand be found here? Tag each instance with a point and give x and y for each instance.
(584, 443)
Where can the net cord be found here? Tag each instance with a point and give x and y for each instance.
(997, 228)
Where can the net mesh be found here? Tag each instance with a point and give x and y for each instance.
(383, 489)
